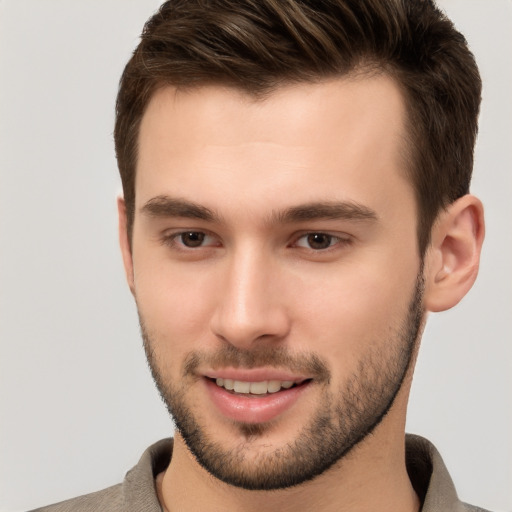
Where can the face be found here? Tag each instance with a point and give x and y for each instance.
(276, 271)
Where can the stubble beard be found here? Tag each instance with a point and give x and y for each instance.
(340, 422)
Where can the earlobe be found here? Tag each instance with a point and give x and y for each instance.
(453, 257)
(124, 243)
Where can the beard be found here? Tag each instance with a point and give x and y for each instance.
(341, 421)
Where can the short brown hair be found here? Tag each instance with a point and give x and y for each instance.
(258, 45)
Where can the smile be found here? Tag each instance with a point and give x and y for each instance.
(254, 400)
(254, 388)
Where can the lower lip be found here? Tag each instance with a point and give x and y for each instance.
(255, 408)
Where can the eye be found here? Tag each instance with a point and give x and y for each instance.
(190, 240)
(319, 241)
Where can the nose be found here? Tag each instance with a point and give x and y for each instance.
(251, 308)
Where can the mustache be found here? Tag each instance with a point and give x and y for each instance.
(276, 357)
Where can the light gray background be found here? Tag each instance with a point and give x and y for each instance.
(77, 405)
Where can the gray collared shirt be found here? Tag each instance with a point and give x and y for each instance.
(137, 493)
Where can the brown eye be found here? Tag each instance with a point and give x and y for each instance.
(319, 241)
(192, 238)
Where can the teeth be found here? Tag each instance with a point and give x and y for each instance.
(255, 388)
(259, 388)
(274, 386)
(242, 387)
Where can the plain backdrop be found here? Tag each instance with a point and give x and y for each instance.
(77, 404)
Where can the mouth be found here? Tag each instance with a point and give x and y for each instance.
(257, 388)
(255, 401)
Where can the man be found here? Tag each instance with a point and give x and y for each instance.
(296, 181)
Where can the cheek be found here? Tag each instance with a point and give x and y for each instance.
(355, 310)
(175, 307)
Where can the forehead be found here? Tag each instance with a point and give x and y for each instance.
(339, 139)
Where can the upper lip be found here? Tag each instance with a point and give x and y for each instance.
(254, 374)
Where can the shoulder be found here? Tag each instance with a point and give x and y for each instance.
(471, 508)
(107, 499)
(430, 478)
(136, 493)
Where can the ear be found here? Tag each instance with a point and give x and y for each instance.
(124, 243)
(453, 257)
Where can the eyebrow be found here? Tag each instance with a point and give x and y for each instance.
(166, 206)
(329, 210)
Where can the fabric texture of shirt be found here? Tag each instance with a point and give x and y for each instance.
(137, 493)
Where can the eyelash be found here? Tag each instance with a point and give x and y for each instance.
(172, 240)
(339, 241)
(334, 241)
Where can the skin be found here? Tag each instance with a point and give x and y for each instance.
(336, 141)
